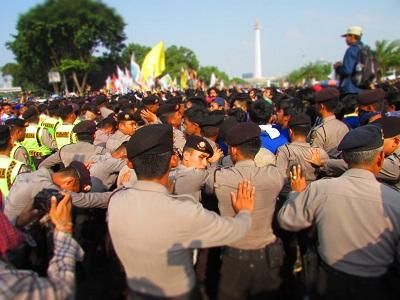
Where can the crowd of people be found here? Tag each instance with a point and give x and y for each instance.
(239, 193)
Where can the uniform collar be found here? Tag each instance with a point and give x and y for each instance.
(359, 173)
(324, 120)
(245, 163)
(150, 186)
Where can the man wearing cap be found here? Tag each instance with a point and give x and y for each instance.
(328, 134)
(390, 171)
(297, 152)
(357, 220)
(64, 134)
(347, 68)
(74, 178)
(217, 104)
(162, 267)
(38, 141)
(371, 103)
(9, 167)
(126, 128)
(81, 151)
(191, 174)
(209, 128)
(170, 114)
(192, 119)
(18, 152)
(251, 265)
(101, 103)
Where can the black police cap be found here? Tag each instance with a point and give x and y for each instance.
(85, 127)
(167, 109)
(4, 134)
(301, 119)
(241, 133)
(390, 126)
(16, 122)
(199, 143)
(364, 138)
(125, 116)
(326, 94)
(101, 99)
(226, 126)
(152, 99)
(194, 114)
(212, 120)
(175, 100)
(151, 139)
(368, 97)
(30, 112)
(84, 175)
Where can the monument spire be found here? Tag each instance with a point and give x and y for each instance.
(257, 51)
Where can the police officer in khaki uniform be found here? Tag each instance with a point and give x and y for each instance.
(209, 128)
(162, 267)
(126, 128)
(101, 103)
(170, 114)
(330, 132)
(297, 152)
(190, 175)
(250, 266)
(81, 151)
(357, 220)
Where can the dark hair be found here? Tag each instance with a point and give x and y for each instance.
(238, 114)
(260, 112)
(331, 104)
(394, 99)
(346, 105)
(69, 171)
(209, 131)
(250, 148)
(85, 137)
(107, 122)
(290, 106)
(301, 130)
(151, 166)
(194, 113)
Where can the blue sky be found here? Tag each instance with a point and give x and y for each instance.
(221, 32)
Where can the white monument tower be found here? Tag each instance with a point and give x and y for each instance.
(257, 51)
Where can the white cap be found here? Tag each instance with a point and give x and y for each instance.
(354, 30)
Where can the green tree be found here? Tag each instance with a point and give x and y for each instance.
(139, 50)
(204, 74)
(387, 56)
(317, 71)
(177, 58)
(63, 35)
(237, 80)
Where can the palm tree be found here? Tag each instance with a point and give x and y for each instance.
(387, 56)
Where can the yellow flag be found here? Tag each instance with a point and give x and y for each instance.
(183, 79)
(154, 62)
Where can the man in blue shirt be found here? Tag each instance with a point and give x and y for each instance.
(346, 68)
(260, 112)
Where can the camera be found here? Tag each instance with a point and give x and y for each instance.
(42, 199)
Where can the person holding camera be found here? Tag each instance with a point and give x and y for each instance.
(60, 281)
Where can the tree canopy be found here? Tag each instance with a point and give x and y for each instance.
(317, 71)
(63, 35)
(388, 56)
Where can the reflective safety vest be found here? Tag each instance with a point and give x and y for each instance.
(64, 135)
(51, 124)
(14, 150)
(33, 143)
(9, 169)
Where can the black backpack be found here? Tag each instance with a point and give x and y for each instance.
(366, 68)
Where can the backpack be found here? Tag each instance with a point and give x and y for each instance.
(366, 68)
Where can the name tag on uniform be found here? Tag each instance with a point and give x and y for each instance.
(62, 134)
